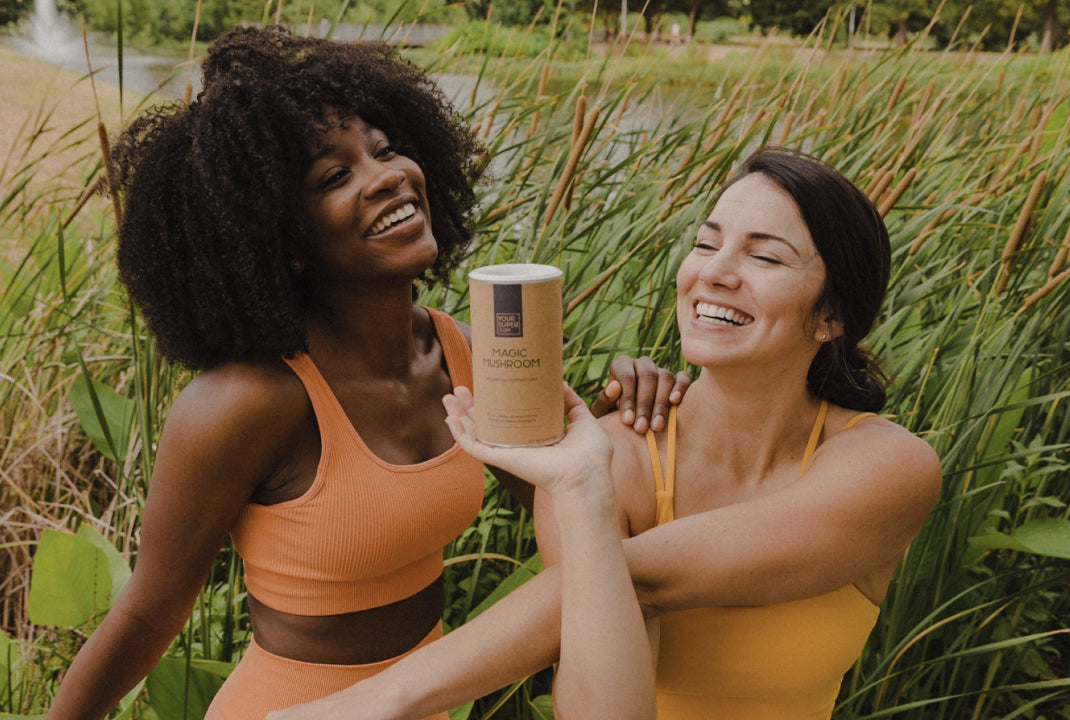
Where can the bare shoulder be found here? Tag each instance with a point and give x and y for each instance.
(244, 392)
(246, 408)
(632, 477)
(879, 452)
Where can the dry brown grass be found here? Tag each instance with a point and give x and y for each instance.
(46, 100)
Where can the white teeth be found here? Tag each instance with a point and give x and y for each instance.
(402, 213)
(723, 314)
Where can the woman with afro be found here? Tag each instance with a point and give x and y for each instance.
(272, 233)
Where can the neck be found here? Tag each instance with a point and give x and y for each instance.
(748, 425)
(369, 331)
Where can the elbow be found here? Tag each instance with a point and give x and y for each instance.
(649, 600)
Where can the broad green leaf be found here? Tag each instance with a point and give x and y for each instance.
(113, 422)
(173, 698)
(117, 564)
(543, 707)
(10, 662)
(517, 578)
(1049, 537)
(71, 583)
(462, 712)
(128, 703)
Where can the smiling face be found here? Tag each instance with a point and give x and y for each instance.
(748, 289)
(367, 208)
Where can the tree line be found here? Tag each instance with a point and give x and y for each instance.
(1036, 25)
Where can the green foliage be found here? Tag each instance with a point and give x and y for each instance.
(498, 40)
(71, 581)
(105, 415)
(974, 623)
(179, 689)
(14, 10)
(719, 29)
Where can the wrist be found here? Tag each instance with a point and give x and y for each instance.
(586, 494)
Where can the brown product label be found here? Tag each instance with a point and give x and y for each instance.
(516, 361)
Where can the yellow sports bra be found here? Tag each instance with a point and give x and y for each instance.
(772, 662)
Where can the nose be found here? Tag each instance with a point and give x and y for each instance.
(384, 178)
(720, 268)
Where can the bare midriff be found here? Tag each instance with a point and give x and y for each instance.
(356, 638)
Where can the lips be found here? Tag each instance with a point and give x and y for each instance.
(393, 217)
(722, 314)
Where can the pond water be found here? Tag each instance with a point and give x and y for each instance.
(166, 74)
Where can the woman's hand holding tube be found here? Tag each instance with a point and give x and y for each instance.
(579, 461)
(605, 670)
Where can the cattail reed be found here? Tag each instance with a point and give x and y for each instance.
(187, 94)
(1046, 289)
(1060, 256)
(997, 183)
(571, 165)
(785, 128)
(893, 197)
(577, 131)
(91, 189)
(110, 173)
(928, 229)
(697, 176)
(877, 184)
(1014, 242)
(896, 92)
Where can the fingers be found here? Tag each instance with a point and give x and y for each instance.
(647, 381)
(460, 418)
(624, 372)
(575, 408)
(670, 391)
(643, 392)
(681, 382)
(584, 452)
(606, 402)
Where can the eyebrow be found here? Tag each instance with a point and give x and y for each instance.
(365, 127)
(755, 235)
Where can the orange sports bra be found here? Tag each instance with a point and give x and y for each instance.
(366, 533)
(772, 662)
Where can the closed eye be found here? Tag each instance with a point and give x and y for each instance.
(386, 152)
(334, 178)
(767, 260)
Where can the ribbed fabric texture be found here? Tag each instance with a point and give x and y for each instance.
(366, 533)
(772, 662)
(264, 682)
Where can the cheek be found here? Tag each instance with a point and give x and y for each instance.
(687, 274)
(685, 280)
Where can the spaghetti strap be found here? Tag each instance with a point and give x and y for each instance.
(856, 418)
(815, 435)
(664, 483)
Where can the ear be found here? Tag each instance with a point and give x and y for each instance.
(828, 329)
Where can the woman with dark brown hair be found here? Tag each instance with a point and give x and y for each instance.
(763, 526)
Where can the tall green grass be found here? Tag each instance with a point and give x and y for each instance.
(607, 175)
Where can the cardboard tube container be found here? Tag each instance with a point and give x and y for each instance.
(516, 354)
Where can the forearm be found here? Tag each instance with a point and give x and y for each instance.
(605, 668)
(119, 654)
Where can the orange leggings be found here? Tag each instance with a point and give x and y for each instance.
(263, 682)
